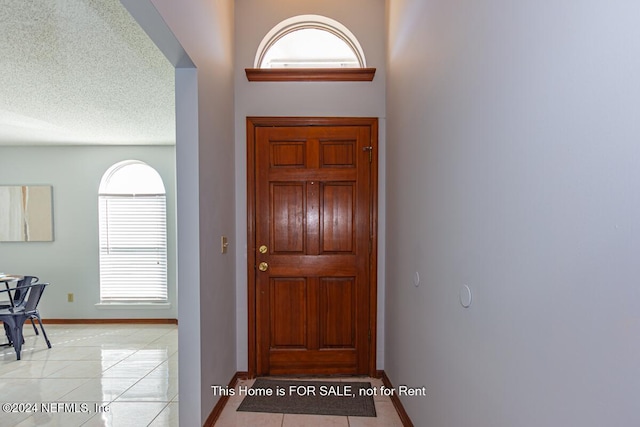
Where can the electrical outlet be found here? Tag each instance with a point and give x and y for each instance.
(70, 297)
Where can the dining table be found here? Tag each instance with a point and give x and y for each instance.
(7, 279)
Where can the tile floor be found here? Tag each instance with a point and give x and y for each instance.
(94, 375)
(124, 376)
(386, 415)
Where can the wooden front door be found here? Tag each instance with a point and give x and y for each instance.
(312, 245)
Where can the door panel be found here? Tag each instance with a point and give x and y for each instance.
(337, 217)
(288, 226)
(288, 322)
(338, 154)
(312, 205)
(337, 312)
(287, 154)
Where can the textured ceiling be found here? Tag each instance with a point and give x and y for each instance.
(81, 72)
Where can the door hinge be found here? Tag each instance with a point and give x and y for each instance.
(369, 334)
(370, 150)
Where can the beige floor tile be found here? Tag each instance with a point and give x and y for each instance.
(83, 369)
(379, 396)
(13, 418)
(75, 341)
(167, 368)
(72, 372)
(386, 416)
(249, 419)
(56, 416)
(32, 369)
(29, 351)
(18, 390)
(233, 403)
(158, 355)
(151, 389)
(133, 369)
(296, 420)
(106, 353)
(57, 352)
(127, 414)
(168, 417)
(102, 390)
(37, 389)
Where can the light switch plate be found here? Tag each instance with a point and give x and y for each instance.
(224, 244)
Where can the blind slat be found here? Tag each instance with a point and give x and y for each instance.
(133, 248)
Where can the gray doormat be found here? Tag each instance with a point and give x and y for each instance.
(308, 397)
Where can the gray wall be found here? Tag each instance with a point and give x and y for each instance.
(205, 171)
(253, 20)
(514, 168)
(71, 262)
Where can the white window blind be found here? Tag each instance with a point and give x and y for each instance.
(133, 248)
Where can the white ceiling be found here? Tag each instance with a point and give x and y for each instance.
(81, 72)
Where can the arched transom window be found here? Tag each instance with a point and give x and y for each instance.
(310, 42)
(133, 234)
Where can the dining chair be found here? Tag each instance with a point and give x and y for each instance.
(19, 294)
(14, 317)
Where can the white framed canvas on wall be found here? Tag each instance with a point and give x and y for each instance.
(26, 213)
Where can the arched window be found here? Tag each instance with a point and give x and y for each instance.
(310, 41)
(133, 234)
(303, 43)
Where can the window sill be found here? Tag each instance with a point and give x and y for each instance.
(133, 305)
(310, 74)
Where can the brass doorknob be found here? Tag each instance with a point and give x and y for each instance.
(263, 266)
(263, 249)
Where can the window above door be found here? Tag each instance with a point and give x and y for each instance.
(310, 48)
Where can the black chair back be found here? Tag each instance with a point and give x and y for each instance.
(20, 293)
(33, 298)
